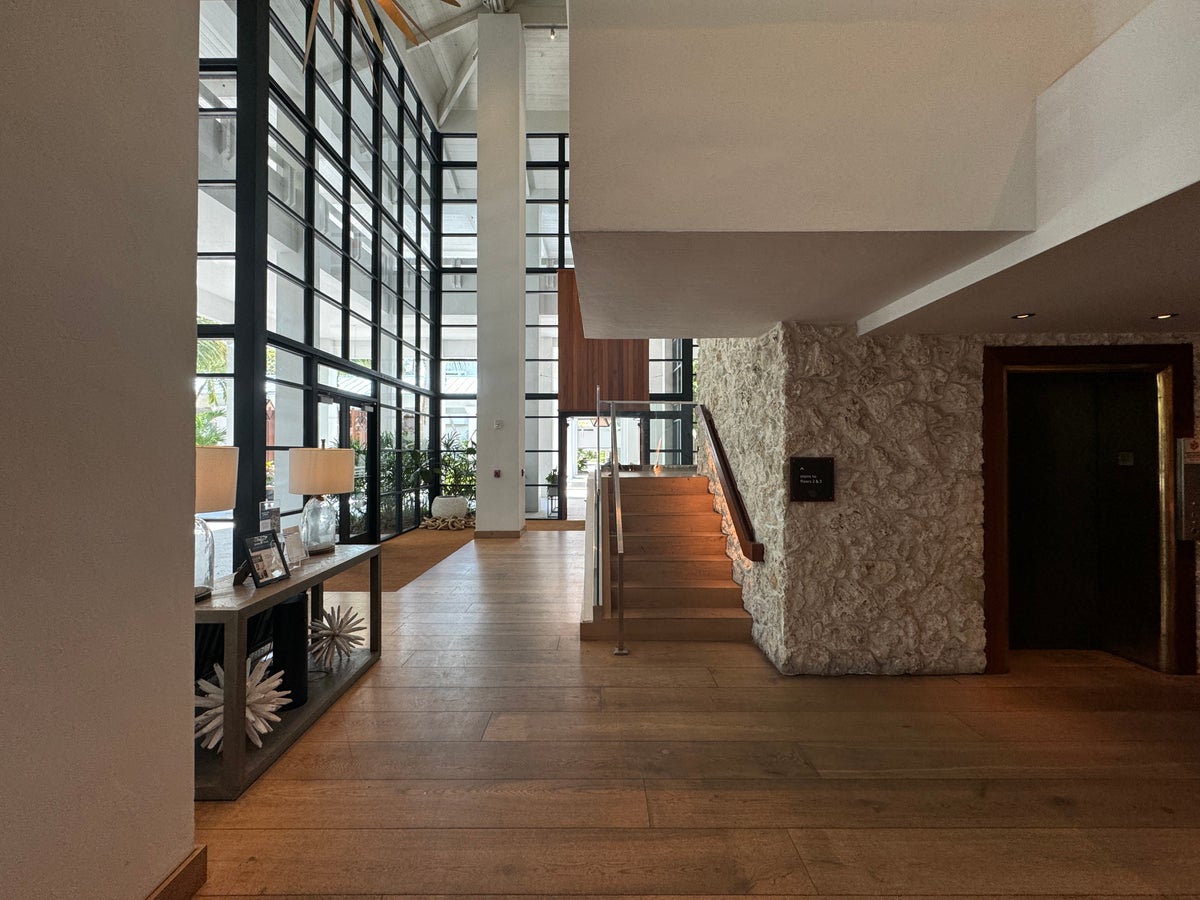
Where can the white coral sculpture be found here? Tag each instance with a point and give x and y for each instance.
(262, 699)
(335, 637)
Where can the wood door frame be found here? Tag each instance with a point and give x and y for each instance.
(1172, 364)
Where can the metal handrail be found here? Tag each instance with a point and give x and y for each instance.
(599, 535)
(615, 460)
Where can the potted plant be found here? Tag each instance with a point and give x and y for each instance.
(452, 474)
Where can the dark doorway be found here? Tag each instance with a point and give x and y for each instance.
(1084, 516)
(1056, 526)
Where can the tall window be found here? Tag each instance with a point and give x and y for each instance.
(547, 249)
(216, 228)
(459, 366)
(329, 294)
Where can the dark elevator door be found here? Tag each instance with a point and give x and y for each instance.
(1084, 512)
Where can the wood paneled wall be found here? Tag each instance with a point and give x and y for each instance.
(620, 367)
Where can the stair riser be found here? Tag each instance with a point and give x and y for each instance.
(668, 630)
(671, 524)
(671, 545)
(663, 504)
(660, 486)
(667, 598)
(674, 571)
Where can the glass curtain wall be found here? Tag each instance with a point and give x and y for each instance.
(548, 246)
(216, 262)
(317, 236)
(459, 363)
(547, 249)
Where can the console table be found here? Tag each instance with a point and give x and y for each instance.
(224, 775)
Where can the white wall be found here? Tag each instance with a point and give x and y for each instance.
(815, 115)
(1115, 133)
(501, 501)
(98, 303)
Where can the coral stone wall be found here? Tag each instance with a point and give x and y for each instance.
(888, 578)
(745, 379)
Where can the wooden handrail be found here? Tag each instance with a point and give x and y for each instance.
(751, 549)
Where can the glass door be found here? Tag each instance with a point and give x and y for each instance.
(350, 422)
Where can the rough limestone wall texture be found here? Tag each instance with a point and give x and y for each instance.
(889, 578)
(742, 382)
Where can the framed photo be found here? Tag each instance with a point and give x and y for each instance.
(265, 556)
(294, 550)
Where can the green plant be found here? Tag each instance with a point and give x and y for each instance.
(552, 477)
(209, 432)
(586, 459)
(454, 466)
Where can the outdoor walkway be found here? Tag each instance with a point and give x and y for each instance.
(490, 753)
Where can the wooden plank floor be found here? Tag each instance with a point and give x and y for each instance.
(490, 753)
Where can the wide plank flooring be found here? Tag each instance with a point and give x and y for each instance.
(490, 753)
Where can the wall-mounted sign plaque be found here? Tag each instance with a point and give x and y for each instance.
(812, 478)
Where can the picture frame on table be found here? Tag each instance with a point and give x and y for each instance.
(294, 550)
(266, 559)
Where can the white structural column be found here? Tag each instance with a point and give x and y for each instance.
(501, 500)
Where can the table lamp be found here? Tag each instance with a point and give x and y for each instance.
(319, 472)
(216, 489)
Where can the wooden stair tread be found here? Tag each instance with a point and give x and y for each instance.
(674, 557)
(688, 612)
(678, 578)
(650, 486)
(704, 583)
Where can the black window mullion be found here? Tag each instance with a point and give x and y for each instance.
(250, 320)
(343, 161)
(309, 118)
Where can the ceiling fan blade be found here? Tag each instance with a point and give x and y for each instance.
(369, 17)
(452, 3)
(312, 30)
(412, 20)
(397, 15)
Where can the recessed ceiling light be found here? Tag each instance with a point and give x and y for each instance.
(1166, 315)
(1023, 316)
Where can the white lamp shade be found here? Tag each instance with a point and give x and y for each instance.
(216, 478)
(315, 470)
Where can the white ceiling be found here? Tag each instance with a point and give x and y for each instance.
(740, 284)
(436, 65)
(1112, 279)
(659, 281)
(815, 206)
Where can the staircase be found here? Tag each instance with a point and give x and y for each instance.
(678, 581)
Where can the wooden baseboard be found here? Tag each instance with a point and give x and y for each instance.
(187, 878)
(497, 534)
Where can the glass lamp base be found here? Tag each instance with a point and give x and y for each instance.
(318, 525)
(205, 557)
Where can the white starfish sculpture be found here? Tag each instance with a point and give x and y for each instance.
(334, 638)
(262, 699)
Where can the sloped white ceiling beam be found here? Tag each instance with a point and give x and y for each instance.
(448, 27)
(453, 90)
